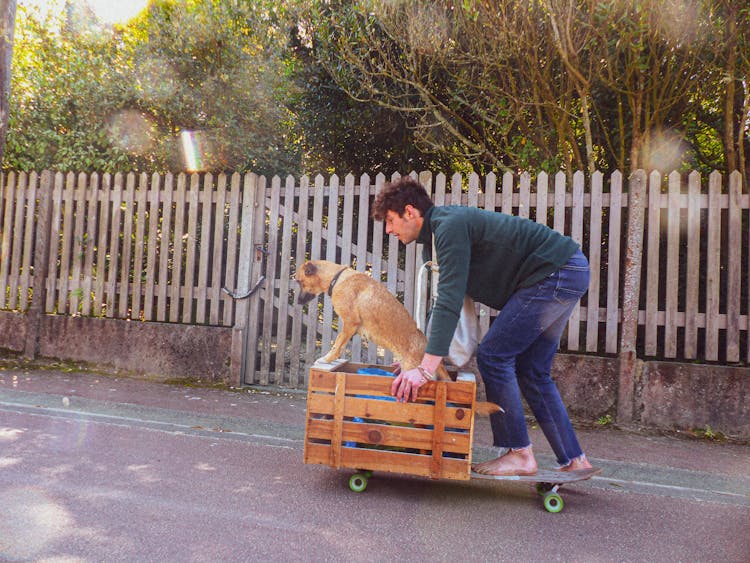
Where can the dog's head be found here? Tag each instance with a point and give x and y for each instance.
(308, 277)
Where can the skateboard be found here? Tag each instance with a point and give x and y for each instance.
(547, 482)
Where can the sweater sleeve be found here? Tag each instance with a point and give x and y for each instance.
(453, 248)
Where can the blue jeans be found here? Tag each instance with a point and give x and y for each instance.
(515, 357)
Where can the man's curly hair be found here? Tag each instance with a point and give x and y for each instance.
(395, 196)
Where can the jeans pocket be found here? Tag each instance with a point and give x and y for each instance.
(572, 284)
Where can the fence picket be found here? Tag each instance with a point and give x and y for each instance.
(613, 262)
(217, 217)
(296, 375)
(138, 246)
(283, 358)
(105, 194)
(206, 199)
(178, 243)
(232, 238)
(595, 261)
(672, 285)
(152, 248)
(30, 226)
(576, 233)
(15, 259)
(191, 241)
(167, 227)
(64, 297)
(734, 268)
(92, 196)
(653, 226)
(693, 266)
(713, 261)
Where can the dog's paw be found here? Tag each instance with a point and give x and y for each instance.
(325, 361)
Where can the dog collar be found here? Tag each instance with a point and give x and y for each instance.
(334, 280)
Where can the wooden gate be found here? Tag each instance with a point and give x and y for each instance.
(299, 220)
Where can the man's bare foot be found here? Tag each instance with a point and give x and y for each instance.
(576, 464)
(515, 462)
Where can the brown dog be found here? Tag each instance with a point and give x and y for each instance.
(367, 307)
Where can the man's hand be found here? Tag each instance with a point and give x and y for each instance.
(406, 385)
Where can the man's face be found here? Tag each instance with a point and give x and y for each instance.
(406, 227)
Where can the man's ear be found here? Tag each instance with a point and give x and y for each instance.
(410, 211)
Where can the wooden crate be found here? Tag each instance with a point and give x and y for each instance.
(353, 422)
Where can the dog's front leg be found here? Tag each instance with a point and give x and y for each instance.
(344, 335)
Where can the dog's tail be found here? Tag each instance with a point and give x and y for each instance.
(485, 408)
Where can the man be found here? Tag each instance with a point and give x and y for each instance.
(534, 276)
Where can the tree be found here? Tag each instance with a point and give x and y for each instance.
(7, 26)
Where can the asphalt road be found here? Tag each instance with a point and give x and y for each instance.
(101, 469)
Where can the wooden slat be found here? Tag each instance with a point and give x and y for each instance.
(653, 222)
(331, 247)
(338, 419)
(92, 197)
(219, 213)
(363, 208)
(388, 435)
(295, 348)
(734, 268)
(673, 266)
(28, 242)
(253, 227)
(282, 351)
(542, 191)
(270, 286)
(490, 204)
(613, 262)
(100, 288)
(456, 188)
(206, 198)
(149, 298)
(178, 245)
(595, 263)
(507, 199)
(524, 196)
(315, 253)
(191, 242)
(377, 262)
(692, 272)
(460, 393)
(67, 243)
(558, 222)
(713, 273)
(439, 414)
(139, 246)
(15, 259)
(113, 247)
(167, 226)
(232, 235)
(576, 233)
(126, 269)
(392, 462)
(7, 199)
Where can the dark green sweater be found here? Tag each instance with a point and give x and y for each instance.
(487, 255)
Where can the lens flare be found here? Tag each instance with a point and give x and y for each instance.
(193, 149)
(666, 151)
(131, 131)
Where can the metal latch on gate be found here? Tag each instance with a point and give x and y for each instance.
(260, 254)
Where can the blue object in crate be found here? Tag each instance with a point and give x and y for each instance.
(375, 371)
(369, 371)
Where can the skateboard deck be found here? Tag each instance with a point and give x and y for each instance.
(545, 476)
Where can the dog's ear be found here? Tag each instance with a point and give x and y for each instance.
(310, 269)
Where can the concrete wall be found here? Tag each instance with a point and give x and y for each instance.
(668, 395)
(154, 349)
